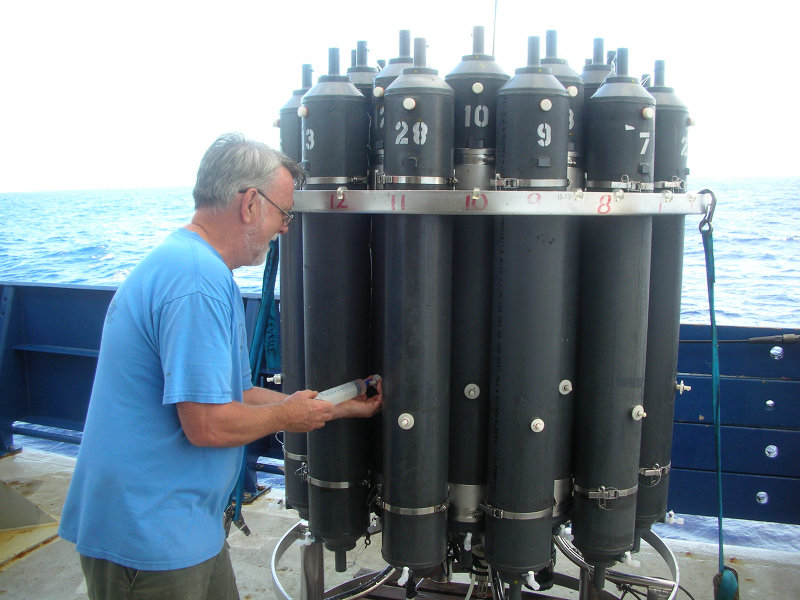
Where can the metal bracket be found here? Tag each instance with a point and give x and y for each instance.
(656, 470)
(335, 485)
(414, 512)
(499, 513)
(604, 494)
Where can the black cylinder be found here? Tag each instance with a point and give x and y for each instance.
(289, 122)
(476, 81)
(336, 295)
(295, 445)
(335, 132)
(360, 73)
(533, 127)
(416, 389)
(620, 115)
(672, 135)
(574, 86)
(663, 328)
(595, 71)
(532, 355)
(362, 76)
(419, 122)
(293, 359)
(611, 368)
(383, 80)
(469, 373)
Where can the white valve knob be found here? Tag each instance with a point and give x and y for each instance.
(530, 579)
(671, 519)
(628, 559)
(682, 387)
(546, 104)
(378, 91)
(565, 387)
(477, 87)
(648, 112)
(537, 425)
(572, 90)
(638, 412)
(409, 103)
(302, 112)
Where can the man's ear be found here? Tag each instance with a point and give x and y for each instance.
(249, 206)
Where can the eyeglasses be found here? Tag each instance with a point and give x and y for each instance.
(287, 217)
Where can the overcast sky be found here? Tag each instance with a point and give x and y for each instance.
(130, 93)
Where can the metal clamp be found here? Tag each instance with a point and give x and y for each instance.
(624, 184)
(675, 184)
(705, 223)
(293, 456)
(657, 472)
(604, 494)
(355, 179)
(513, 183)
(499, 513)
(334, 485)
(415, 180)
(469, 156)
(414, 512)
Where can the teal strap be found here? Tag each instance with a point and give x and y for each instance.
(706, 231)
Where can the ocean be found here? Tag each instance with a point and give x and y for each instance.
(95, 237)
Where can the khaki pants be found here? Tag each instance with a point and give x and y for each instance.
(210, 580)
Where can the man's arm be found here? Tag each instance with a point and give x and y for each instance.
(237, 423)
(258, 396)
(265, 412)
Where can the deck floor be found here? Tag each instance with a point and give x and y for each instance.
(52, 571)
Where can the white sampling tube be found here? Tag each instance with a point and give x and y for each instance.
(348, 391)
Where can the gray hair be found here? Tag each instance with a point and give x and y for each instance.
(233, 163)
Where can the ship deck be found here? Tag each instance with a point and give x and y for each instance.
(51, 570)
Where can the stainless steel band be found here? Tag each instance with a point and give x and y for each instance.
(414, 512)
(293, 456)
(414, 180)
(469, 156)
(656, 470)
(512, 183)
(605, 493)
(464, 502)
(335, 180)
(562, 494)
(631, 186)
(499, 513)
(334, 485)
(669, 185)
(573, 159)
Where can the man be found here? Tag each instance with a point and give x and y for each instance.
(172, 403)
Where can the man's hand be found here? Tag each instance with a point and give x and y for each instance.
(304, 413)
(360, 406)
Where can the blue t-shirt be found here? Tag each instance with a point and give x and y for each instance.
(142, 495)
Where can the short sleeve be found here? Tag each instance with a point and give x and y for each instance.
(195, 339)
